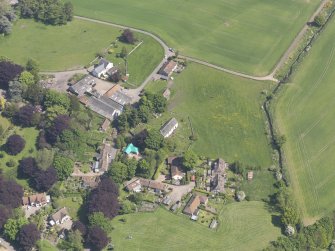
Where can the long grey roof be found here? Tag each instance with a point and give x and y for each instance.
(121, 98)
(104, 106)
(168, 126)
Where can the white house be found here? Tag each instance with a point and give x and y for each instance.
(102, 68)
(169, 128)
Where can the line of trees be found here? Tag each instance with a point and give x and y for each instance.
(54, 12)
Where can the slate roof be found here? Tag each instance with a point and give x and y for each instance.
(82, 86)
(121, 98)
(168, 126)
(104, 106)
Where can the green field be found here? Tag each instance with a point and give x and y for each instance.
(75, 45)
(245, 35)
(225, 113)
(243, 226)
(304, 114)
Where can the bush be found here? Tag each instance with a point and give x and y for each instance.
(11, 163)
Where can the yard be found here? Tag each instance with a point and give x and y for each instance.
(30, 136)
(72, 204)
(304, 115)
(225, 113)
(243, 226)
(75, 45)
(247, 36)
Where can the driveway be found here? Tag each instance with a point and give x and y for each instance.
(179, 191)
(4, 245)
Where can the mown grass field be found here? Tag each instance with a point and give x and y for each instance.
(243, 226)
(75, 45)
(305, 115)
(245, 35)
(225, 113)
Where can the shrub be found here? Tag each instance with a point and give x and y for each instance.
(11, 163)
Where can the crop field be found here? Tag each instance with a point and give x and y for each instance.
(243, 226)
(75, 45)
(305, 115)
(244, 35)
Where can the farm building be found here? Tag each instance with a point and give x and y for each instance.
(83, 86)
(121, 98)
(101, 69)
(168, 68)
(105, 107)
(169, 128)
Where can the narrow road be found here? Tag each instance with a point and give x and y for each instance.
(168, 53)
(296, 41)
(269, 77)
(60, 76)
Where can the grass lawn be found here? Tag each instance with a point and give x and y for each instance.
(157, 87)
(75, 45)
(261, 186)
(225, 112)
(30, 136)
(72, 204)
(304, 114)
(44, 245)
(245, 35)
(243, 226)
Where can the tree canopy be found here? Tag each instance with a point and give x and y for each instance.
(8, 71)
(10, 193)
(190, 159)
(63, 166)
(54, 12)
(28, 236)
(104, 199)
(15, 144)
(97, 238)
